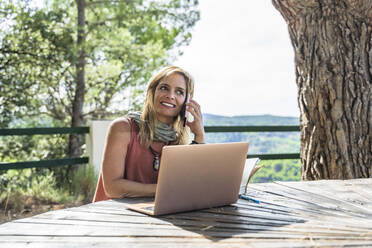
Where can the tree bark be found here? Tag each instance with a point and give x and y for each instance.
(333, 56)
(77, 118)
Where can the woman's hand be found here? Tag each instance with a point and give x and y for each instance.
(196, 125)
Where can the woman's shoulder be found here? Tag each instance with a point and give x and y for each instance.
(121, 125)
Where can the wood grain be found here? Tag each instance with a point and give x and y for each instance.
(327, 213)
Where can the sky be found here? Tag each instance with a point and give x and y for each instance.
(241, 59)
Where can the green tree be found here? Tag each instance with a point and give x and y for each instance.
(76, 60)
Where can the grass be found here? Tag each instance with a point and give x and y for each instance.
(32, 191)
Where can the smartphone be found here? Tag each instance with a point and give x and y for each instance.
(183, 112)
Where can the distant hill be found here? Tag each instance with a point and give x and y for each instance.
(248, 120)
(262, 142)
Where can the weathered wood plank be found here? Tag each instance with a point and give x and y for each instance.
(275, 199)
(357, 194)
(211, 215)
(291, 214)
(144, 230)
(330, 224)
(197, 225)
(185, 219)
(202, 214)
(169, 242)
(82, 231)
(334, 195)
(314, 201)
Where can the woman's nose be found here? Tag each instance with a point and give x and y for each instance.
(171, 95)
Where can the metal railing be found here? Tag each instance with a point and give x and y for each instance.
(85, 130)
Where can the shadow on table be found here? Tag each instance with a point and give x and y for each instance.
(243, 219)
(229, 221)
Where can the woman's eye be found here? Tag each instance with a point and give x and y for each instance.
(180, 92)
(163, 87)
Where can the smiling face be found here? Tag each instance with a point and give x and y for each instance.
(169, 97)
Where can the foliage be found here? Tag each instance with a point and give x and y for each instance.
(30, 186)
(278, 170)
(23, 189)
(36, 147)
(125, 42)
(260, 143)
(84, 183)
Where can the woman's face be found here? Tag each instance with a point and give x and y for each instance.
(169, 97)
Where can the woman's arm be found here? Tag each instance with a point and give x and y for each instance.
(113, 165)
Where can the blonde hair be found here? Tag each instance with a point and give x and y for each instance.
(148, 117)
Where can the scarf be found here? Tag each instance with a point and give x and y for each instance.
(162, 131)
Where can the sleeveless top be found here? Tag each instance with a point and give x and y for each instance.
(138, 164)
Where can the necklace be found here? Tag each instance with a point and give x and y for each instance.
(156, 162)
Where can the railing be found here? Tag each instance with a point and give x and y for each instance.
(47, 162)
(217, 129)
(85, 130)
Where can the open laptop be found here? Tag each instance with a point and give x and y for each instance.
(195, 177)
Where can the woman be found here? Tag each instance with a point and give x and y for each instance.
(133, 145)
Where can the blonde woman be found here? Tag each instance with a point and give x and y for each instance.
(134, 143)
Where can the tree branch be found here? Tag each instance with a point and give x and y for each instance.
(108, 1)
(18, 52)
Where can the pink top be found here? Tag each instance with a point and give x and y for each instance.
(138, 164)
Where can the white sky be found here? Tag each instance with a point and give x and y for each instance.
(241, 59)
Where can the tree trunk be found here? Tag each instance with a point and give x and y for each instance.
(78, 102)
(333, 56)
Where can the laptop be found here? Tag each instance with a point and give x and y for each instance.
(193, 177)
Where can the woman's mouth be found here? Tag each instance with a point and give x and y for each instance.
(168, 104)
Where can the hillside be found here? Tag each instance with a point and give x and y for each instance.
(262, 142)
(248, 120)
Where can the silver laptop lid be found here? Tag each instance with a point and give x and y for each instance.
(199, 176)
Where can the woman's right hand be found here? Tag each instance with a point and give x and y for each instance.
(196, 126)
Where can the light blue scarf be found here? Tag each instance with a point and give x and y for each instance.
(162, 132)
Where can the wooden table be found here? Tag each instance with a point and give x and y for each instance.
(330, 213)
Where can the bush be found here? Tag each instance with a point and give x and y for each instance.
(22, 188)
(278, 167)
(84, 183)
(278, 170)
(29, 189)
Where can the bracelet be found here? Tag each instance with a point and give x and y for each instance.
(195, 143)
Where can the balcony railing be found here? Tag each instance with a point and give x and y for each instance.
(85, 130)
(46, 162)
